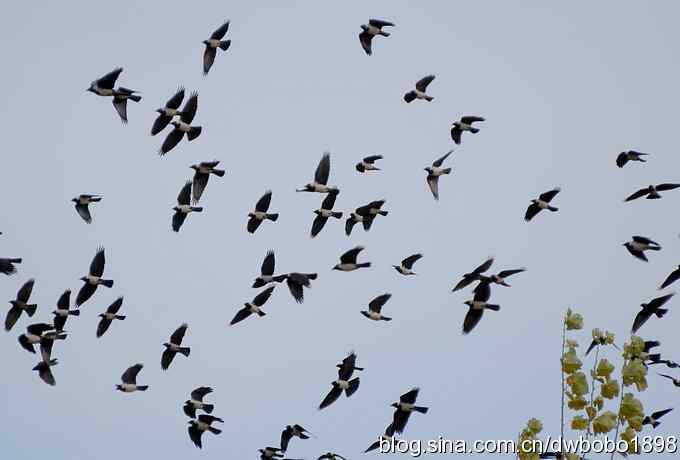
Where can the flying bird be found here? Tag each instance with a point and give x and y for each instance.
(20, 304)
(290, 432)
(639, 244)
(7, 265)
(253, 307)
(168, 112)
(201, 425)
(93, 278)
(649, 309)
(387, 437)
(433, 173)
(370, 30)
(654, 418)
(406, 265)
(420, 91)
(196, 402)
(345, 371)
(464, 125)
(652, 192)
(675, 381)
(183, 126)
(404, 408)
(543, 202)
(375, 307)
(183, 208)
(331, 456)
(203, 170)
(366, 215)
(630, 155)
(33, 335)
(266, 270)
(108, 316)
(104, 86)
(671, 278)
(296, 283)
(348, 261)
(499, 278)
(270, 453)
(261, 207)
(215, 41)
(62, 312)
(474, 275)
(83, 205)
(129, 379)
(598, 341)
(324, 213)
(320, 183)
(174, 346)
(368, 163)
(476, 307)
(44, 369)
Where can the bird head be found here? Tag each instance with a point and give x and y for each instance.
(428, 169)
(395, 405)
(90, 89)
(83, 278)
(307, 188)
(364, 27)
(194, 167)
(317, 212)
(359, 167)
(102, 315)
(175, 123)
(176, 209)
(75, 200)
(468, 303)
(160, 111)
(13, 302)
(119, 387)
(336, 267)
(166, 345)
(206, 42)
(250, 214)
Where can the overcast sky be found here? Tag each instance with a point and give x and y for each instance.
(564, 88)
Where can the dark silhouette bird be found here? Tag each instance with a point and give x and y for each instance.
(320, 182)
(201, 425)
(675, 381)
(183, 208)
(387, 438)
(254, 306)
(7, 265)
(290, 432)
(331, 456)
(406, 265)
(368, 163)
(34, 334)
(215, 41)
(630, 155)
(168, 112)
(266, 271)
(109, 315)
(404, 408)
(671, 278)
(375, 307)
(598, 341)
(296, 283)
(47, 340)
(120, 100)
(654, 418)
(203, 170)
(499, 278)
(420, 91)
(669, 364)
(639, 244)
(174, 346)
(434, 172)
(44, 369)
(649, 309)
(324, 213)
(261, 207)
(370, 30)
(83, 205)
(183, 126)
(543, 202)
(129, 379)
(93, 278)
(270, 453)
(104, 86)
(364, 214)
(348, 261)
(464, 125)
(62, 312)
(196, 402)
(652, 192)
(20, 304)
(474, 275)
(345, 372)
(476, 307)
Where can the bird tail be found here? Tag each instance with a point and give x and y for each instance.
(353, 387)
(208, 408)
(278, 279)
(121, 317)
(386, 318)
(142, 387)
(653, 196)
(429, 98)
(260, 313)
(446, 171)
(383, 213)
(74, 312)
(259, 282)
(96, 199)
(135, 98)
(214, 430)
(474, 130)
(337, 215)
(493, 307)
(311, 276)
(107, 283)
(60, 336)
(194, 132)
(384, 34)
(642, 160)
(552, 208)
(218, 172)
(225, 44)
(421, 409)
(654, 248)
(364, 265)
(303, 436)
(272, 217)
(30, 309)
(660, 312)
(15, 261)
(654, 358)
(197, 209)
(185, 351)
(655, 424)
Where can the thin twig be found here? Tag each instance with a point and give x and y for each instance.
(592, 389)
(564, 341)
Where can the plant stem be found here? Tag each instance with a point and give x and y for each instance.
(592, 389)
(564, 341)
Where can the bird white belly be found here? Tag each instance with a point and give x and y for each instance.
(185, 208)
(93, 279)
(343, 384)
(259, 215)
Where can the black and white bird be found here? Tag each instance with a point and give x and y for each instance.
(404, 408)
(266, 271)
(368, 164)
(676, 381)
(639, 244)
(104, 86)
(174, 346)
(348, 261)
(464, 125)
(370, 30)
(184, 207)
(183, 126)
(35, 333)
(296, 283)
(476, 307)
(324, 213)
(7, 265)
(253, 307)
(630, 155)
(290, 432)
(215, 41)
(109, 315)
(260, 213)
(196, 402)
(654, 418)
(499, 278)
(366, 215)
(374, 311)
(420, 91)
(331, 456)
(406, 265)
(129, 379)
(434, 172)
(44, 369)
(543, 202)
(62, 312)
(652, 191)
(168, 112)
(202, 173)
(649, 309)
(93, 278)
(199, 426)
(82, 205)
(474, 275)
(671, 278)
(320, 183)
(20, 304)
(344, 382)
(269, 453)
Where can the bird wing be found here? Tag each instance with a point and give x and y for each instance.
(350, 257)
(25, 292)
(456, 133)
(549, 195)
(240, 315)
(220, 32)
(268, 264)
(658, 414)
(262, 204)
(349, 225)
(177, 336)
(286, 436)
(424, 82)
(317, 225)
(666, 187)
(471, 319)
(166, 358)
(195, 436)
(45, 373)
(433, 183)
(13, 315)
(59, 322)
(380, 23)
(439, 161)
(469, 119)
(506, 273)
(482, 292)
(672, 278)
(253, 224)
(377, 303)
(372, 159)
(98, 262)
(410, 260)
(641, 318)
(190, 107)
(399, 420)
(621, 159)
(83, 211)
(199, 184)
(39, 328)
(639, 194)
(466, 281)
(177, 220)
(484, 266)
(184, 196)
(103, 326)
(64, 300)
(171, 140)
(532, 210)
(160, 123)
(85, 293)
(120, 104)
(323, 169)
(176, 100)
(208, 58)
(263, 296)
(200, 392)
(109, 80)
(130, 374)
(329, 201)
(331, 397)
(115, 306)
(410, 96)
(365, 39)
(410, 396)
(659, 301)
